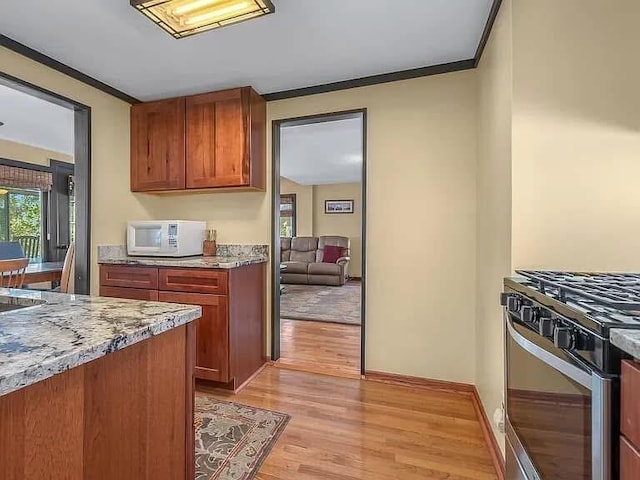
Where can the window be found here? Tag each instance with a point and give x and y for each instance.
(21, 219)
(288, 215)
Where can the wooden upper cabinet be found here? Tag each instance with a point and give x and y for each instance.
(157, 146)
(208, 141)
(225, 139)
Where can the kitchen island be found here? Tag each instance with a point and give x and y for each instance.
(95, 388)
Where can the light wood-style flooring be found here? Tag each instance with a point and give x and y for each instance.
(328, 348)
(347, 429)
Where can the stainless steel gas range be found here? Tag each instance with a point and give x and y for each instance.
(562, 373)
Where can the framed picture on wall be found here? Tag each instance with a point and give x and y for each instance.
(338, 206)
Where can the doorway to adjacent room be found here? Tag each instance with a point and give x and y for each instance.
(319, 238)
(45, 145)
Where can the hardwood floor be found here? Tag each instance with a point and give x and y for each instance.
(320, 347)
(346, 429)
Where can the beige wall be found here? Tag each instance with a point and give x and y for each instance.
(304, 205)
(112, 202)
(347, 225)
(576, 134)
(494, 207)
(421, 220)
(30, 154)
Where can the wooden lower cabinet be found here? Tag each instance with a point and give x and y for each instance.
(230, 335)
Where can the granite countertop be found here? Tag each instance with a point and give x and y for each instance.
(626, 340)
(229, 256)
(188, 262)
(58, 332)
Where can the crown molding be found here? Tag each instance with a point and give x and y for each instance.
(297, 92)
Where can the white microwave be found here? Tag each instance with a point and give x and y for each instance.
(165, 238)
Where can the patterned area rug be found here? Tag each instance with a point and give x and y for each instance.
(233, 440)
(321, 303)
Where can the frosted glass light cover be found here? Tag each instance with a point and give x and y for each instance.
(182, 18)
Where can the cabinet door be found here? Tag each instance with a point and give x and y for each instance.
(630, 407)
(217, 147)
(130, 293)
(157, 146)
(212, 334)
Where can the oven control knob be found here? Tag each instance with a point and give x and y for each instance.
(527, 314)
(563, 337)
(504, 298)
(545, 327)
(513, 304)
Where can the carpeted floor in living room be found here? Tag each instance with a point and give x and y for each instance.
(322, 303)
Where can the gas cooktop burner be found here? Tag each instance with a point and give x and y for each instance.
(616, 290)
(598, 300)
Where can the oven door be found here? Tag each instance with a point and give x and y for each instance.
(558, 411)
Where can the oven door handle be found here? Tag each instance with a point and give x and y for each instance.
(574, 373)
(601, 428)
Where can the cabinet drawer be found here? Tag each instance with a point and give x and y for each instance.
(129, 277)
(630, 414)
(130, 293)
(629, 461)
(193, 280)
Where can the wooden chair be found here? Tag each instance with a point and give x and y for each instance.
(12, 272)
(11, 251)
(67, 283)
(30, 245)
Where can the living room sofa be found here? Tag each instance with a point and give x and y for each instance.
(304, 260)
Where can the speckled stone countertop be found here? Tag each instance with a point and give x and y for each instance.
(58, 332)
(229, 256)
(626, 340)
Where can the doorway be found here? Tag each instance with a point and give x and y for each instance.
(64, 199)
(319, 243)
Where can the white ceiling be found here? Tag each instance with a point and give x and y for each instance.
(322, 153)
(305, 43)
(35, 122)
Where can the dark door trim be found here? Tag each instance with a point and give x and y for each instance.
(82, 162)
(276, 126)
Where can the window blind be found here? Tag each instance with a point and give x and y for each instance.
(15, 177)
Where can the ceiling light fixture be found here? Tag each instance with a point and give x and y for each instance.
(182, 18)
